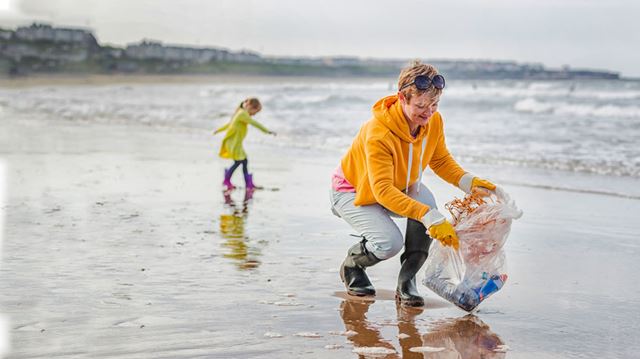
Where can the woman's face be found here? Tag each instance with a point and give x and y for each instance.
(419, 109)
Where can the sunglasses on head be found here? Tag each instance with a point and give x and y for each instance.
(423, 82)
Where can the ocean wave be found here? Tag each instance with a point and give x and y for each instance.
(612, 167)
(327, 117)
(571, 189)
(531, 105)
(292, 101)
(566, 90)
(608, 95)
(343, 99)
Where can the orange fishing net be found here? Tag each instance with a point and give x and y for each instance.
(482, 231)
(462, 207)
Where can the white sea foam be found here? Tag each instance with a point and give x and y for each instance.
(333, 346)
(288, 295)
(288, 304)
(347, 333)
(502, 348)
(532, 105)
(373, 351)
(426, 349)
(565, 108)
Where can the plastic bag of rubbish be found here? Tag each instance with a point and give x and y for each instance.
(466, 277)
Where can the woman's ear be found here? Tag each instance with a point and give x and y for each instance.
(402, 98)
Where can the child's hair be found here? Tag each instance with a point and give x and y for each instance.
(408, 75)
(251, 101)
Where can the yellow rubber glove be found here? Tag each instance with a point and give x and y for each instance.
(479, 182)
(445, 233)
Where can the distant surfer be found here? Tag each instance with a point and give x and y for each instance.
(380, 176)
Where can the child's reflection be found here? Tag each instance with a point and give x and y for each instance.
(466, 337)
(232, 230)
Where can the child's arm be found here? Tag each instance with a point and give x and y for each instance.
(224, 127)
(257, 124)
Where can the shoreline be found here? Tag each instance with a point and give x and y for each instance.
(98, 79)
(70, 79)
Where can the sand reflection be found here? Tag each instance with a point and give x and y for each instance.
(465, 337)
(232, 230)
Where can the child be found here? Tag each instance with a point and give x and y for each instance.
(232, 143)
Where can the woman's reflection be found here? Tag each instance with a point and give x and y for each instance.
(408, 334)
(466, 337)
(232, 230)
(353, 315)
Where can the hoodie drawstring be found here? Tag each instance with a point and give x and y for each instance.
(410, 162)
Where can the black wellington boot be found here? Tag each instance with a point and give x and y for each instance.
(352, 271)
(416, 250)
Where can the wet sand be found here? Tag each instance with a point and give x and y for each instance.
(150, 79)
(120, 243)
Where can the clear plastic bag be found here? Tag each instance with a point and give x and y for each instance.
(470, 275)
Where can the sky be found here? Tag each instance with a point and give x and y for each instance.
(591, 34)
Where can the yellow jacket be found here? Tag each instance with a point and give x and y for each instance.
(236, 132)
(376, 163)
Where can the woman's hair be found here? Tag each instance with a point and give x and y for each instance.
(251, 101)
(408, 75)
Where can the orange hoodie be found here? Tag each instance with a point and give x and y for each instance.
(376, 163)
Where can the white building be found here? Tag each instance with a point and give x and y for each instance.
(41, 32)
(155, 50)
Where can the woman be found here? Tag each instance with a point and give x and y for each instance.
(380, 176)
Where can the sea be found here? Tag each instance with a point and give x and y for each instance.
(537, 133)
(118, 250)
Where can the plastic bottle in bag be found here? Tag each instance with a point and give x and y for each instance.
(478, 270)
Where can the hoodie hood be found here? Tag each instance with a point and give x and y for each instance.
(384, 159)
(388, 112)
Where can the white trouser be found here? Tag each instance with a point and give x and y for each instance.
(374, 223)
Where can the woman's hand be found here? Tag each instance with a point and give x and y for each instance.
(445, 233)
(468, 183)
(439, 228)
(479, 182)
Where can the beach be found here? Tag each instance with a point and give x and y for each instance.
(119, 242)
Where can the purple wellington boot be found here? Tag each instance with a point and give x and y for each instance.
(248, 180)
(227, 180)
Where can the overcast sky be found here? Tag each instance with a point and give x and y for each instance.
(596, 34)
